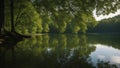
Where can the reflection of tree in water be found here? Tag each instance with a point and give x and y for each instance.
(53, 51)
(102, 64)
(7, 52)
(111, 40)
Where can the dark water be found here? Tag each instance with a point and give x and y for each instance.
(63, 51)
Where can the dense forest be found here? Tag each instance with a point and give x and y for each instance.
(110, 25)
(43, 19)
(53, 16)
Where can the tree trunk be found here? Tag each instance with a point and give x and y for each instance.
(12, 15)
(1, 16)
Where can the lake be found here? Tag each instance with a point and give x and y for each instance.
(62, 51)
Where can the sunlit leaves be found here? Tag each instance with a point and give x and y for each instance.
(74, 16)
(71, 15)
(26, 18)
(107, 6)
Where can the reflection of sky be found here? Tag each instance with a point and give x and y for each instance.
(106, 54)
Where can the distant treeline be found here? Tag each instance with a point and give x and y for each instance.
(110, 25)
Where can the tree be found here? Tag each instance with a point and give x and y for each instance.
(80, 10)
(1, 16)
(110, 25)
(27, 20)
(24, 17)
(12, 15)
(35, 16)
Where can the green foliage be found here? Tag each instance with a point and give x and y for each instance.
(107, 6)
(110, 25)
(79, 11)
(57, 16)
(26, 18)
(29, 19)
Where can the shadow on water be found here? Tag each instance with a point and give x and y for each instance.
(50, 51)
(7, 45)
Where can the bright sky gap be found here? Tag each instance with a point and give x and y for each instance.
(98, 18)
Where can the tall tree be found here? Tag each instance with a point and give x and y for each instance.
(12, 15)
(1, 15)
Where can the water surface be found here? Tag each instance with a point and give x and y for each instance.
(63, 51)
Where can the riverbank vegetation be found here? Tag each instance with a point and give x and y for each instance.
(110, 25)
(52, 16)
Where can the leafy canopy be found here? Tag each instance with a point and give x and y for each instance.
(73, 16)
